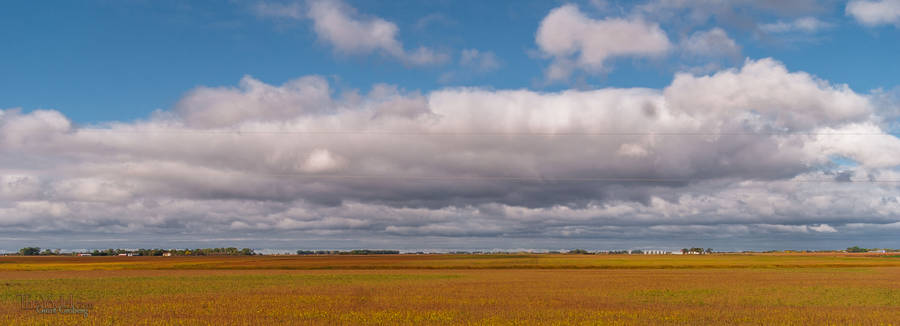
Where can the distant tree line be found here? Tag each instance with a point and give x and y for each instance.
(858, 249)
(351, 252)
(34, 251)
(230, 251)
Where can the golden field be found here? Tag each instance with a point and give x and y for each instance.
(758, 289)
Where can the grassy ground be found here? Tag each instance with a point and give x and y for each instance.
(454, 289)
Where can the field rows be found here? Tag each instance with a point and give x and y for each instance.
(861, 291)
(523, 261)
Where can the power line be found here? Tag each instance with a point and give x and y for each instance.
(539, 179)
(548, 179)
(461, 133)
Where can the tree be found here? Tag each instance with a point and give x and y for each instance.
(30, 251)
(857, 249)
(709, 250)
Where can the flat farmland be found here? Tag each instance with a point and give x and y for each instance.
(758, 289)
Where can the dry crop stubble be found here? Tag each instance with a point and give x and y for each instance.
(454, 289)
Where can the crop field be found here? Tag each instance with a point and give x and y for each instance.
(758, 289)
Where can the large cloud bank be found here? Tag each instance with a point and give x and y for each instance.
(740, 152)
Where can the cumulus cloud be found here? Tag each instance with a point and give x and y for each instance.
(575, 41)
(874, 13)
(712, 43)
(822, 228)
(254, 100)
(350, 32)
(765, 89)
(745, 151)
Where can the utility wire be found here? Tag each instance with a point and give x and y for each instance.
(539, 179)
(459, 133)
(548, 179)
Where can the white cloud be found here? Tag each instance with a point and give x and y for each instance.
(353, 34)
(30, 127)
(465, 162)
(882, 150)
(803, 24)
(254, 100)
(349, 32)
(874, 13)
(337, 23)
(823, 228)
(632, 150)
(18, 186)
(712, 43)
(765, 96)
(575, 41)
(321, 160)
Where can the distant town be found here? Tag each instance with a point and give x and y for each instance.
(232, 251)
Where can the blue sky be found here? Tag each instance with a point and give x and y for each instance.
(334, 124)
(111, 60)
